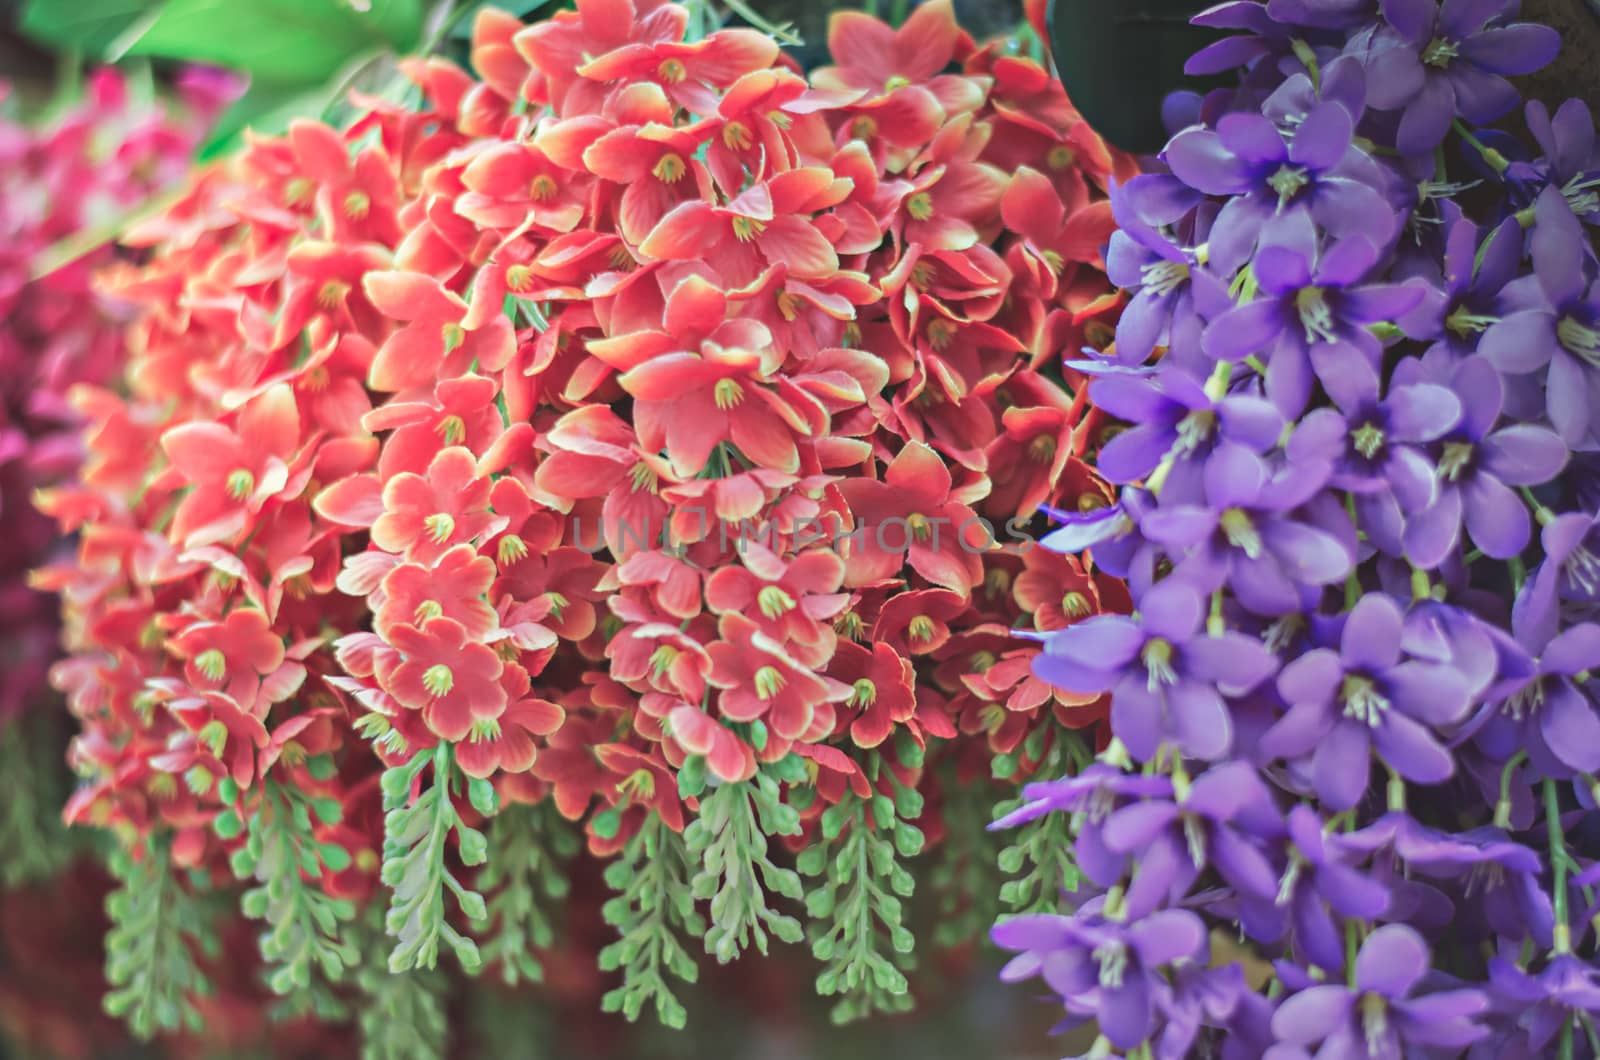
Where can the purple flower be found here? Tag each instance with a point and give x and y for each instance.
(1455, 316)
(1166, 678)
(1476, 470)
(1558, 332)
(1366, 696)
(1158, 275)
(1570, 160)
(1375, 445)
(1545, 710)
(1438, 62)
(1317, 879)
(1172, 413)
(1107, 969)
(1318, 170)
(1380, 1018)
(1311, 314)
(1570, 572)
(1244, 532)
(1208, 825)
(1091, 796)
(1541, 1004)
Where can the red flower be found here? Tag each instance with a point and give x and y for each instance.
(882, 690)
(434, 344)
(424, 516)
(758, 228)
(652, 159)
(728, 758)
(794, 601)
(1055, 589)
(910, 517)
(690, 402)
(235, 471)
(233, 654)
(505, 744)
(455, 587)
(759, 680)
(453, 680)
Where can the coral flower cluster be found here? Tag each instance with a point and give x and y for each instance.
(638, 432)
(1355, 719)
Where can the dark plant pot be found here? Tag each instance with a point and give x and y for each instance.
(1120, 60)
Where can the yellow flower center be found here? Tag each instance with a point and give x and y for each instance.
(1074, 605)
(452, 429)
(212, 664)
(728, 394)
(1060, 157)
(454, 335)
(356, 205)
(672, 71)
(769, 681)
(426, 610)
(669, 168)
(241, 483)
(1042, 449)
(920, 206)
(662, 658)
(921, 629)
(747, 228)
(519, 278)
(849, 626)
(483, 729)
(643, 477)
(789, 305)
(940, 332)
(736, 136)
(862, 694)
(863, 128)
(439, 527)
(511, 549)
(919, 526)
(297, 191)
(331, 294)
(543, 188)
(774, 602)
(214, 735)
(895, 83)
(981, 661)
(640, 784)
(438, 680)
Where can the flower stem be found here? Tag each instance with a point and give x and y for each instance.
(1558, 868)
(1502, 809)
(1494, 159)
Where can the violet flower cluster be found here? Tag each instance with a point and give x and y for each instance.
(1356, 713)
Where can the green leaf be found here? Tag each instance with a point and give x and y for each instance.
(150, 961)
(414, 865)
(651, 912)
(291, 42)
(400, 1016)
(87, 26)
(856, 921)
(528, 848)
(34, 844)
(304, 948)
(735, 871)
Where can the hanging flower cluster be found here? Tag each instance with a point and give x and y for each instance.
(1353, 711)
(94, 159)
(643, 431)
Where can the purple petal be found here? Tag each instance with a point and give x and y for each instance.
(1060, 672)
(1519, 49)
(1478, 386)
(1567, 399)
(1322, 138)
(1523, 455)
(1350, 893)
(1233, 477)
(1311, 679)
(1124, 1012)
(1431, 535)
(1383, 302)
(1168, 936)
(1236, 662)
(1568, 724)
(1315, 934)
(1340, 764)
(1170, 609)
(1308, 555)
(1394, 76)
(1427, 117)
(1520, 343)
(1411, 750)
(1252, 138)
(1301, 729)
(1481, 97)
(1200, 721)
(1249, 329)
(1497, 520)
(1135, 827)
(1286, 268)
(1242, 865)
(1371, 636)
(1136, 715)
(1347, 261)
(1250, 421)
(1435, 695)
(1201, 160)
(1443, 1020)
(1421, 412)
(1106, 641)
(1573, 650)
(1459, 19)
(1392, 961)
(1134, 453)
(1312, 1014)
(1411, 480)
(1180, 526)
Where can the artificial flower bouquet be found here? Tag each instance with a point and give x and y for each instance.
(638, 440)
